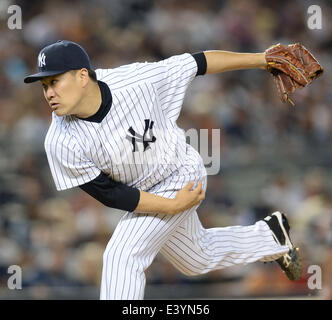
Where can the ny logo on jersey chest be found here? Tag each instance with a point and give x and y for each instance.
(146, 138)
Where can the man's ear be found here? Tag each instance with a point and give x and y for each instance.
(83, 75)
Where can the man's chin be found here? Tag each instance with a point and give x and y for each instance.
(60, 113)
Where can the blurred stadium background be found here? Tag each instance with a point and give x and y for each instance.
(273, 156)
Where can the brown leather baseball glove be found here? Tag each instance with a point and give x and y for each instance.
(292, 67)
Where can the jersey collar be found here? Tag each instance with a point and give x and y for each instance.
(106, 103)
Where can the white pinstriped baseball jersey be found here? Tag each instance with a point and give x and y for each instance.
(144, 96)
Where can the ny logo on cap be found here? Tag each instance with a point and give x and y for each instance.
(41, 60)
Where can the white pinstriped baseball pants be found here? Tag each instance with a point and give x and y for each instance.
(182, 239)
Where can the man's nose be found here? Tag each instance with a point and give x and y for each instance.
(49, 93)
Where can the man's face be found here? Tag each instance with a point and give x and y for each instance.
(63, 93)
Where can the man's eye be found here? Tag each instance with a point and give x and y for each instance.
(53, 82)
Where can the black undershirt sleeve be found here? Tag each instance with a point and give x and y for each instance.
(112, 193)
(201, 63)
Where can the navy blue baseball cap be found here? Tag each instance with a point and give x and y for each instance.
(59, 57)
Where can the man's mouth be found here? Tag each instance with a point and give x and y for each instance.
(54, 105)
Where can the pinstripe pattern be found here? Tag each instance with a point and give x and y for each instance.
(79, 150)
(182, 239)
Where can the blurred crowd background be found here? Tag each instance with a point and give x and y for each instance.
(273, 156)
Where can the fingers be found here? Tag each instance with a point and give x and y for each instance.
(197, 192)
(189, 185)
(199, 188)
(200, 193)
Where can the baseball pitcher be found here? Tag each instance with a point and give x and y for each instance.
(114, 135)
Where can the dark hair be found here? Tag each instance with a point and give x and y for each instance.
(92, 75)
